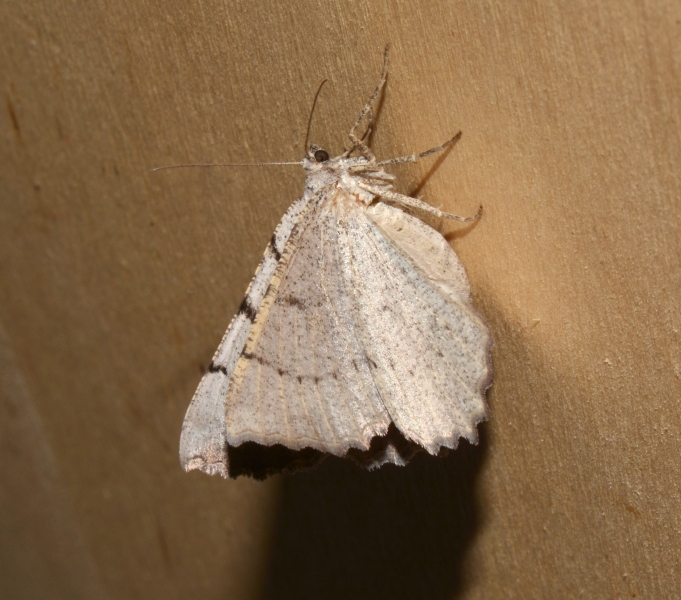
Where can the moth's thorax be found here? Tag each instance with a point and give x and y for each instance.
(352, 176)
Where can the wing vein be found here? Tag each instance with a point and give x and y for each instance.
(280, 377)
(334, 315)
(315, 379)
(303, 399)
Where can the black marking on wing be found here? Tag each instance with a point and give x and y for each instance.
(293, 301)
(275, 250)
(282, 372)
(213, 368)
(247, 309)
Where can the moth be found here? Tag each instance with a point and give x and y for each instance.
(356, 337)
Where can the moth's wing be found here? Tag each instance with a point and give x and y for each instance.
(429, 250)
(303, 379)
(202, 443)
(428, 348)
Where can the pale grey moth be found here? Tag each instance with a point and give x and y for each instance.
(356, 337)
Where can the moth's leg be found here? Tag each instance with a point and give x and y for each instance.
(367, 133)
(414, 157)
(370, 124)
(368, 107)
(420, 204)
(358, 144)
(417, 203)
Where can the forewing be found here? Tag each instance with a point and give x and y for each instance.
(304, 379)
(428, 348)
(202, 443)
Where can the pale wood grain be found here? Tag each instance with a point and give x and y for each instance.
(116, 285)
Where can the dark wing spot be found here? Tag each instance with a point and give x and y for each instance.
(213, 368)
(247, 309)
(275, 250)
(293, 301)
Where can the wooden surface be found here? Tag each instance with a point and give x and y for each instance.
(116, 286)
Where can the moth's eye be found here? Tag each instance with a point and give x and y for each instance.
(321, 155)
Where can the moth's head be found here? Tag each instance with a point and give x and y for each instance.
(317, 159)
(320, 166)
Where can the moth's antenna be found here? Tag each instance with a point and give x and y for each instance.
(263, 164)
(309, 122)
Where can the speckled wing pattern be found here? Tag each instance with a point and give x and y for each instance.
(428, 347)
(359, 317)
(304, 378)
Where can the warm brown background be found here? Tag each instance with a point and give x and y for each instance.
(116, 286)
